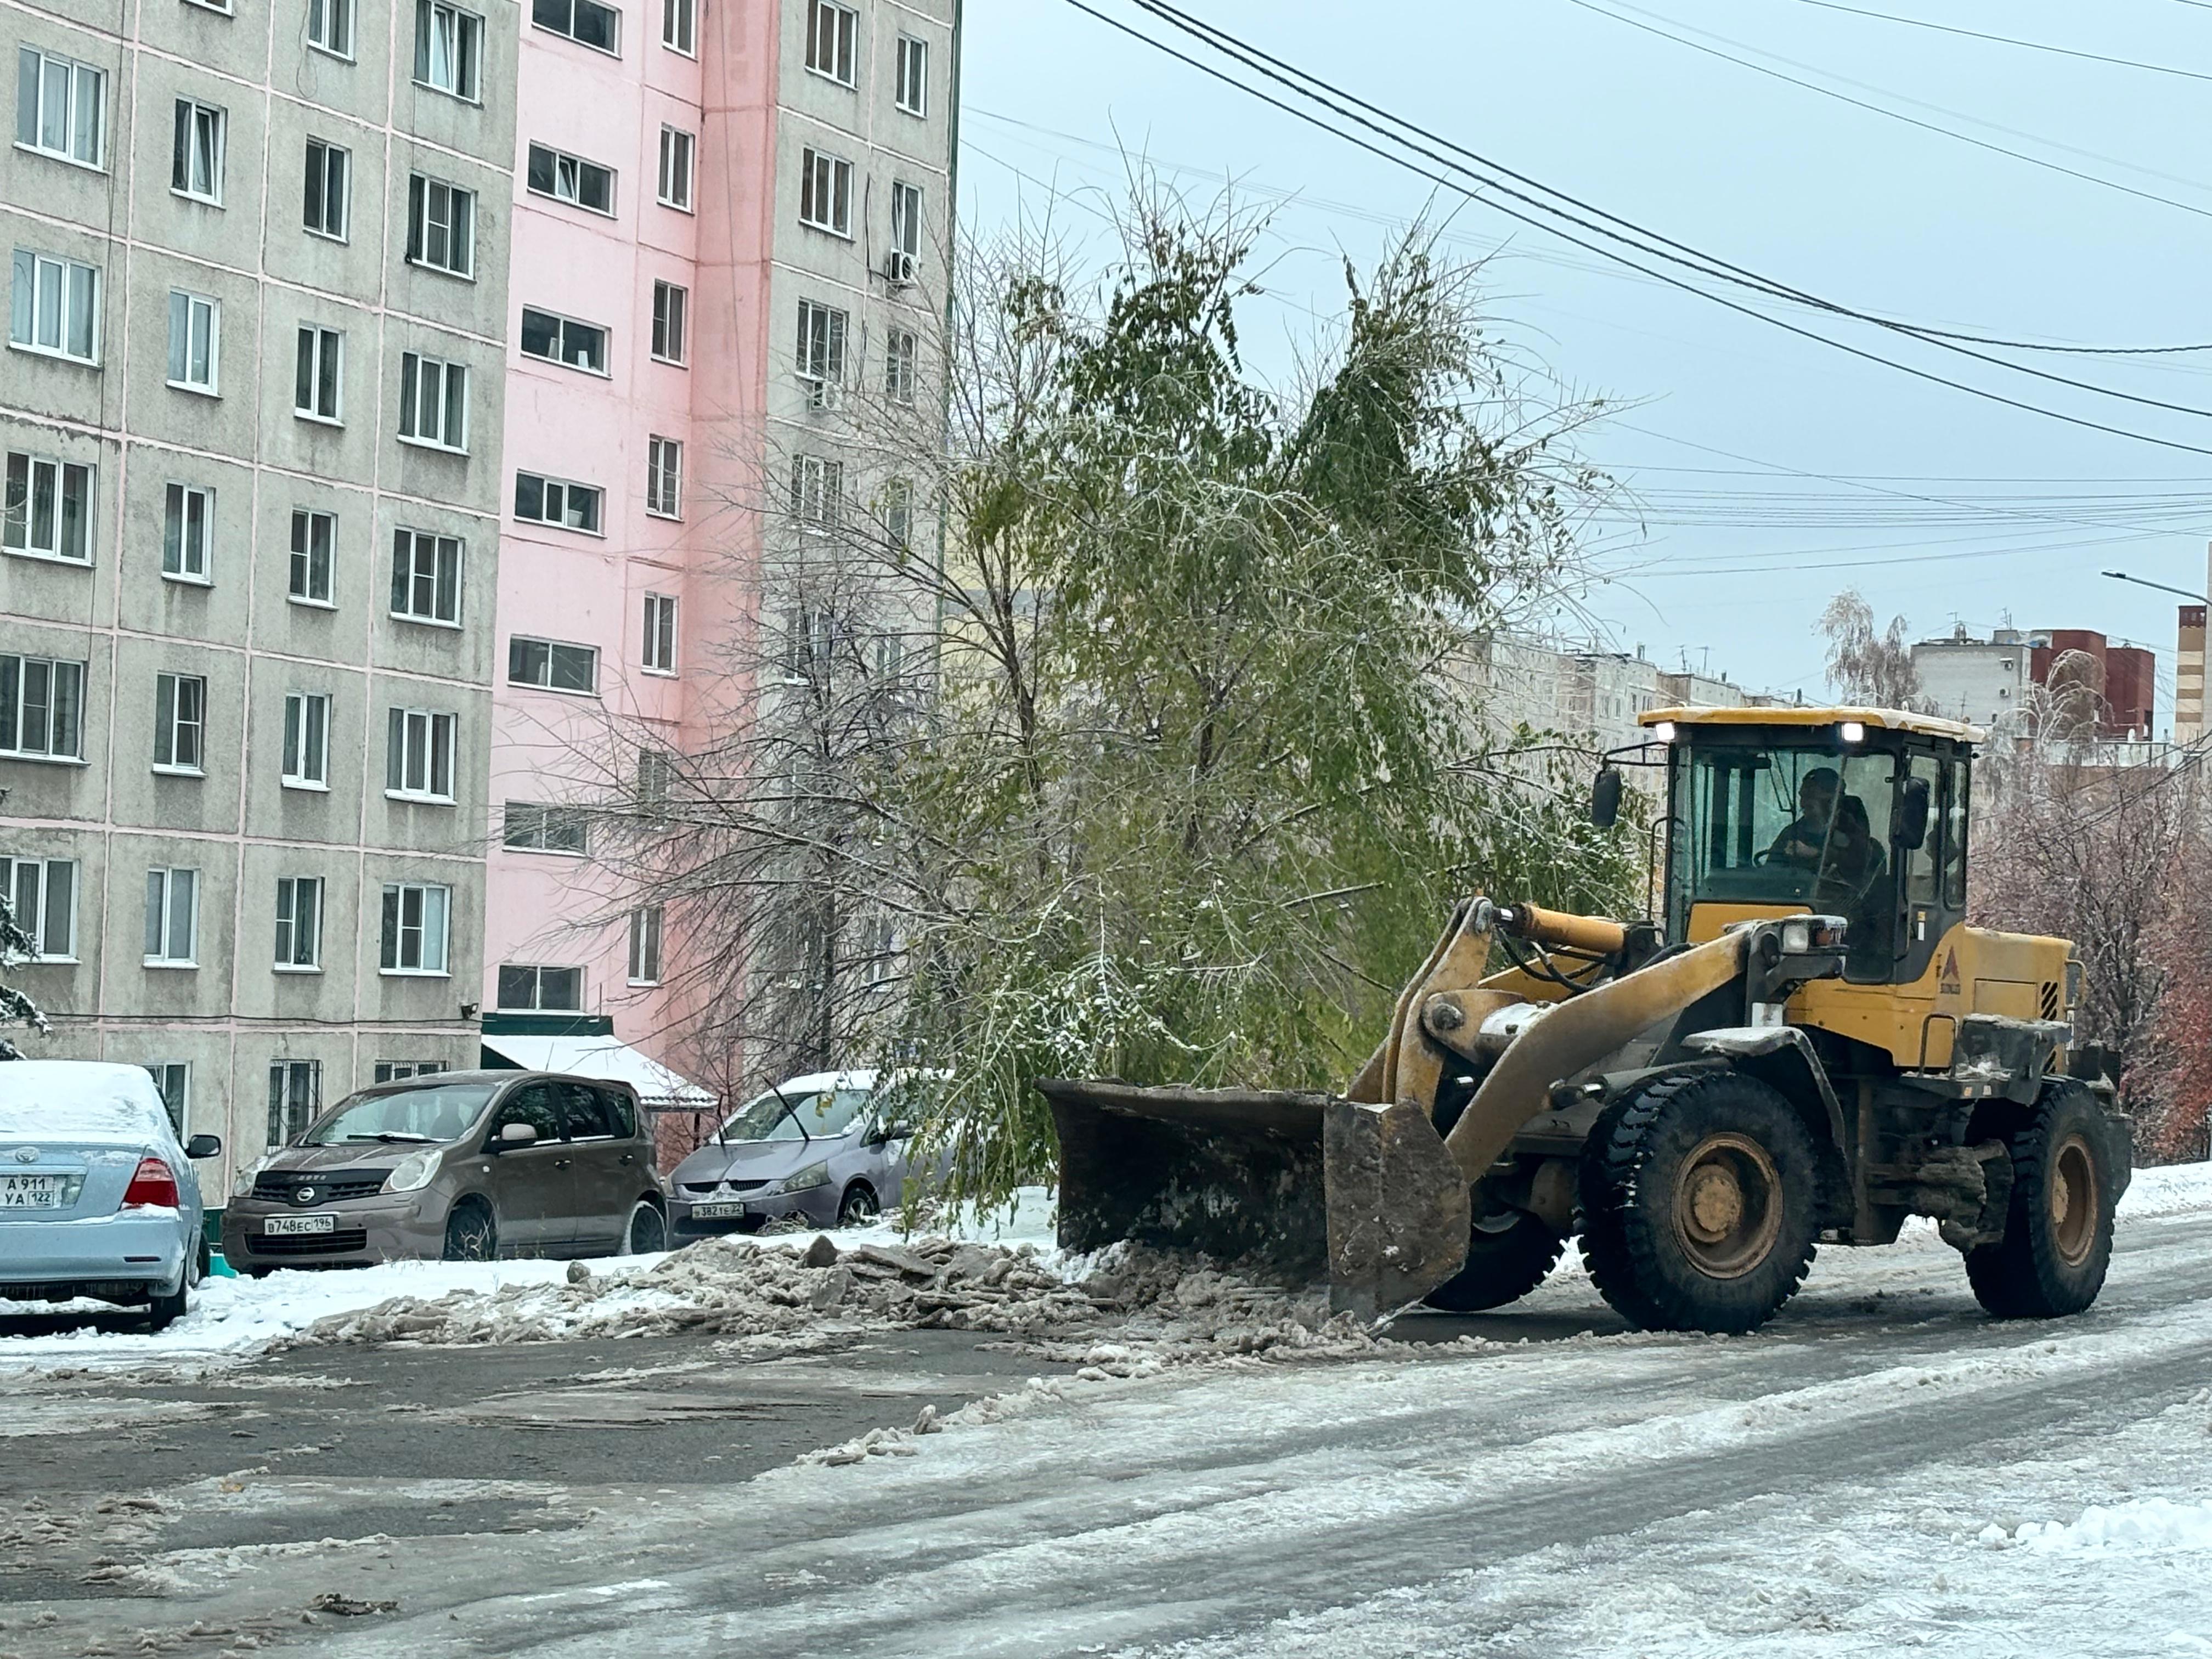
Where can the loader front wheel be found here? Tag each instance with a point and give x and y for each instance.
(1698, 1202)
(2058, 1231)
(1506, 1259)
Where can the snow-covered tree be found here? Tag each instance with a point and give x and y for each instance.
(16, 1008)
(1866, 666)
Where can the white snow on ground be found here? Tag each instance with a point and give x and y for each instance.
(2153, 1523)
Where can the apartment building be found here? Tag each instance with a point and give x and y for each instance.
(250, 408)
(730, 225)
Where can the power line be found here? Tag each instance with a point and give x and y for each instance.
(1461, 188)
(2009, 40)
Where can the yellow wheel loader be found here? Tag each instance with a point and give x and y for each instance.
(1805, 1043)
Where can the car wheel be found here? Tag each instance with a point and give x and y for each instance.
(647, 1231)
(859, 1205)
(471, 1232)
(163, 1311)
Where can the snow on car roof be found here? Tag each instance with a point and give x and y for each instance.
(83, 1099)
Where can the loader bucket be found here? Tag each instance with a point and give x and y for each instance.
(1291, 1188)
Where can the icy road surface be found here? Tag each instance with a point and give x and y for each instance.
(1882, 1470)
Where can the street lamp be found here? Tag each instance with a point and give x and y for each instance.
(2122, 576)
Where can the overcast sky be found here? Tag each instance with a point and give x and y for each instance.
(1722, 414)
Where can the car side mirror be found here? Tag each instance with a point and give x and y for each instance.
(1909, 826)
(517, 1135)
(1605, 798)
(201, 1146)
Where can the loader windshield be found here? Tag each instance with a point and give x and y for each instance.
(1765, 823)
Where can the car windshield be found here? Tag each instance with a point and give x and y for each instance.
(818, 1113)
(443, 1113)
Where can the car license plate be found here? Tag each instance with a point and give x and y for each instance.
(300, 1223)
(716, 1212)
(28, 1191)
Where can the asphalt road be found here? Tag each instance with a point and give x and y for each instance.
(637, 1496)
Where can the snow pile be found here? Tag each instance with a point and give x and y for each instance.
(2150, 1523)
(1125, 1313)
(2168, 1189)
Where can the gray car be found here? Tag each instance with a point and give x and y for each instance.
(96, 1197)
(465, 1166)
(829, 1149)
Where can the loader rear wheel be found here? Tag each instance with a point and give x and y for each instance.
(1505, 1261)
(2058, 1231)
(1698, 1208)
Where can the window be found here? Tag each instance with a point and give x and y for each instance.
(398, 1071)
(656, 779)
(898, 515)
(816, 487)
(448, 47)
(555, 667)
(669, 302)
(419, 756)
(426, 576)
(187, 532)
(660, 633)
(173, 918)
(55, 306)
(329, 174)
(829, 33)
(329, 26)
(532, 827)
(195, 323)
(821, 350)
(296, 1098)
(48, 513)
(306, 740)
(559, 988)
(173, 1078)
(825, 192)
(645, 945)
(433, 401)
(557, 502)
(567, 178)
(564, 340)
(42, 892)
(315, 536)
(41, 707)
(906, 234)
(320, 378)
(196, 159)
(299, 923)
(60, 107)
(584, 21)
(902, 354)
(663, 477)
(913, 91)
(441, 226)
(679, 25)
(415, 917)
(179, 722)
(676, 147)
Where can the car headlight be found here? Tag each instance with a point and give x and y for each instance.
(413, 1172)
(806, 1180)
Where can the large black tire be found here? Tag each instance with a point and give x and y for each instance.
(471, 1232)
(2058, 1229)
(646, 1232)
(1504, 1264)
(1700, 1204)
(859, 1206)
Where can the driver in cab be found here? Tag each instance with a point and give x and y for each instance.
(1800, 843)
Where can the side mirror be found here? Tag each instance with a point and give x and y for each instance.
(517, 1135)
(201, 1146)
(1908, 825)
(1604, 798)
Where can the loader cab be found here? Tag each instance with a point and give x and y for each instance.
(1860, 813)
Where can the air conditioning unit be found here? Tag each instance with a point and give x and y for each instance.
(898, 268)
(825, 394)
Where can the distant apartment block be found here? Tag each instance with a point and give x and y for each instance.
(1990, 682)
(251, 409)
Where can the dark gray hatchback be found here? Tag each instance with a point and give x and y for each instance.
(462, 1165)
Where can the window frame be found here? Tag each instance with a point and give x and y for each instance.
(326, 10)
(327, 349)
(302, 735)
(815, 166)
(172, 1080)
(538, 1003)
(824, 476)
(687, 13)
(671, 323)
(302, 558)
(580, 163)
(911, 75)
(193, 305)
(439, 730)
(518, 648)
(439, 542)
(535, 820)
(415, 374)
(613, 13)
(459, 229)
(316, 186)
(657, 651)
(38, 925)
(663, 477)
(842, 38)
(908, 208)
(16, 512)
(392, 930)
(468, 50)
(177, 502)
(679, 154)
(185, 161)
(172, 724)
(902, 366)
(15, 704)
(647, 927)
(67, 273)
(286, 1078)
(825, 333)
(72, 120)
(546, 483)
(288, 956)
(559, 358)
(160, 918)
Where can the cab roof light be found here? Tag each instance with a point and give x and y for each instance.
(1854, 731)
(1663, 731)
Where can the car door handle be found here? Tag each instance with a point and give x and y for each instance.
(629, 1157)
(561, 1162)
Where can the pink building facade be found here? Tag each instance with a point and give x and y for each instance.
(699, 186)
